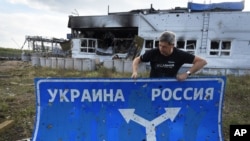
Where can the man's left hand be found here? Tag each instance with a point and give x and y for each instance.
(182, 76)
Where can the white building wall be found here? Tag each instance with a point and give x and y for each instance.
(231, 26)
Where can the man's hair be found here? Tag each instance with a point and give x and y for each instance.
(167, 36)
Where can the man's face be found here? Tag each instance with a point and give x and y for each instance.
(166, 48)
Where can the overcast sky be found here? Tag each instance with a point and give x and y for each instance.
(49, 18)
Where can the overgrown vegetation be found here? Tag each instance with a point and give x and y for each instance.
(9, 52)
(17, 98)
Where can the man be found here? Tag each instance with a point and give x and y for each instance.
(166, 60)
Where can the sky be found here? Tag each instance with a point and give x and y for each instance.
(49, 18)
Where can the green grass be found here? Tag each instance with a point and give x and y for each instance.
(236, 103)
(5, 52)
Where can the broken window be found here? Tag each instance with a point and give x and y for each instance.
(91, 45)
(220, 48)
(181, 44)
(121, 45)
(225, 48)
(149, 44)
(88, 45)
(187, 45)
(156, 44)
(190, 46)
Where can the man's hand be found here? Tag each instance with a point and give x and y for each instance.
(135, 65)
(182, 76)
(134, 75)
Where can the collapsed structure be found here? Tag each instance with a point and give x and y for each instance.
(47, 46)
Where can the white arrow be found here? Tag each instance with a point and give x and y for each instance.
(128, 114)
(170, 113)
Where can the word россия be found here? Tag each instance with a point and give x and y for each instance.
(114, 95)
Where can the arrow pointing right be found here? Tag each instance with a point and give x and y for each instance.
(170, 113)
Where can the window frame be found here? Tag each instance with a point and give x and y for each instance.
(220, 49)
(185, 45)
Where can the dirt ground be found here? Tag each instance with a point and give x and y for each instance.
(9, 65)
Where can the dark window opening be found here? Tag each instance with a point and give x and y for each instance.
(215, 44)
(156, 44)
(106, 40)
(181, 44)
(149, 44)
(191, 44)
(220, 48)
(187, 45)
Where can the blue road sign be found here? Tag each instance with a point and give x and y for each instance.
(71, 109)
